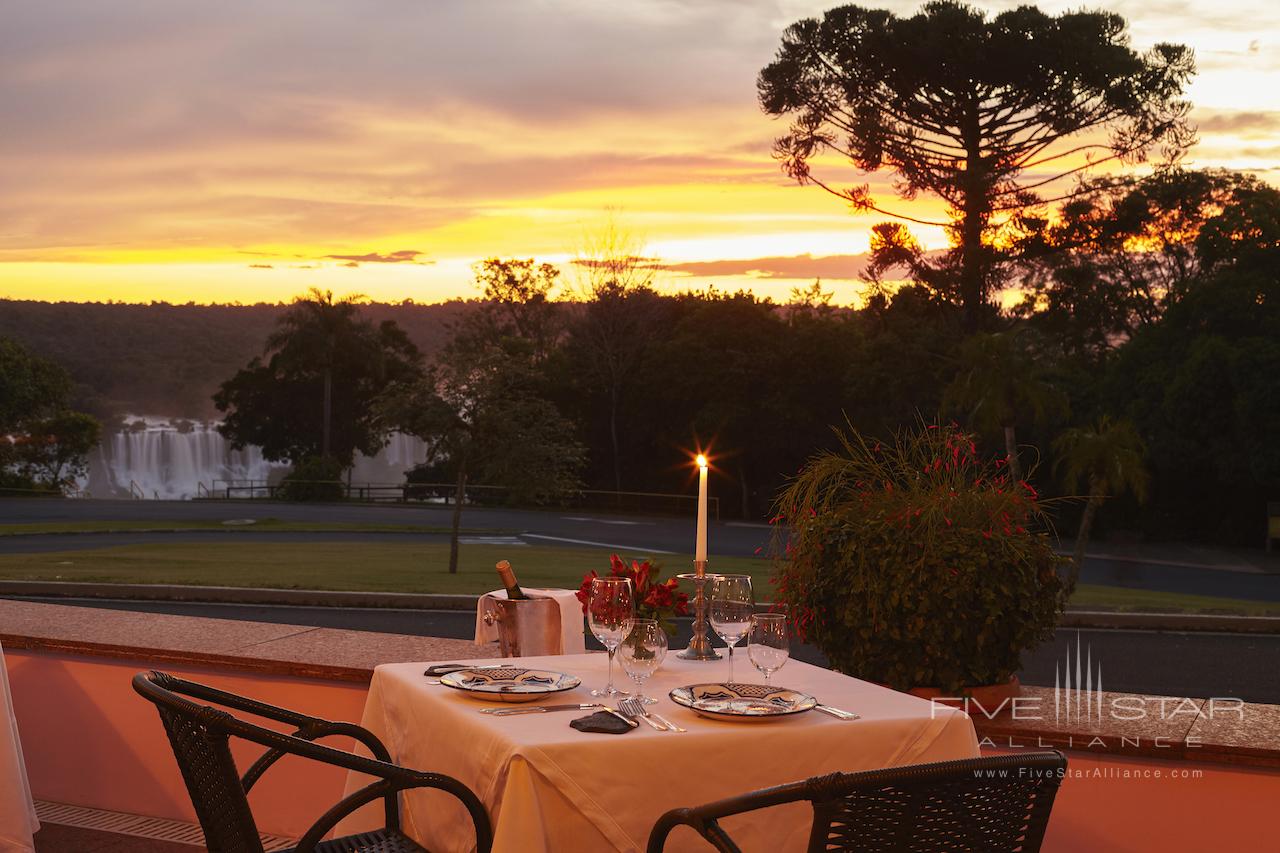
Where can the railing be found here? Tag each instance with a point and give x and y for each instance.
(136, 492)
(445, 493)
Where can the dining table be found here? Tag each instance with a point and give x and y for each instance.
(550, 787)
(18, 821)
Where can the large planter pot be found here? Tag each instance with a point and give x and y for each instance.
(986, 699)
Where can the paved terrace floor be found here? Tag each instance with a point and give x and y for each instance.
(57, 838)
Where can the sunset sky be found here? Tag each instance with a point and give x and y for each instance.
(244, 151)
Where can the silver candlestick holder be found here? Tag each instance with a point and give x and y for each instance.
(700, 644)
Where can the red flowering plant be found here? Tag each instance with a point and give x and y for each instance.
(658, 600)
(917, 562)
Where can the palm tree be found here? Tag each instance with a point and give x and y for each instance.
(314, 328)
(999, 386)
(1109, 458)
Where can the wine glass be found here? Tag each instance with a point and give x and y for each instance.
(642, 652)
(611, 609)
(767, 644)
(731, 609)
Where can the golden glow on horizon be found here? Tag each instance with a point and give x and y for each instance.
(244, 194)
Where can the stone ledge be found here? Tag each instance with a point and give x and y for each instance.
(254, 647)
(1179, 728)
(1072, 618)
(1104, 723)
(239, 595)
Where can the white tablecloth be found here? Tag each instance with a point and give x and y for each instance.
(17, 812)
(551, 788)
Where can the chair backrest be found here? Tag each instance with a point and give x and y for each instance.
(980, 805)
(992, 805)
(200, 737)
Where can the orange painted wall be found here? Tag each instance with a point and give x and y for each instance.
(1227, 808)
(89, 740)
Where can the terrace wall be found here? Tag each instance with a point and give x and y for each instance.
(91, 741)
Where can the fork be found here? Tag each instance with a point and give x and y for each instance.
(633, 707)
(838, 713)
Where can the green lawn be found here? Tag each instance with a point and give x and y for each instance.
(411, 566)
(269, 524)
(1118, 598)
(373, 566)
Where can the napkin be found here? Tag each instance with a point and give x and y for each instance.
(602, 722)
(572, 642)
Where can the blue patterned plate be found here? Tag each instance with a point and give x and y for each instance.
(509, 683)
(742, 703)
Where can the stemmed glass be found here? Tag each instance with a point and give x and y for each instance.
(767, 644)
(642, 652)
(611, 610)
(731, 609)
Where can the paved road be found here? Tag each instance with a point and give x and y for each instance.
(653, 535)
(626, 534)
(1155, 662)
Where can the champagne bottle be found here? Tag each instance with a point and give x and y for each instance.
(508, 578)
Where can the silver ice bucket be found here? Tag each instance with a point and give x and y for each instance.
(526, 627)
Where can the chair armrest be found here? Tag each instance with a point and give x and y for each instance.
(229, 700)
(704, 819)
(313, 730)
(389, 788)
(707, 827)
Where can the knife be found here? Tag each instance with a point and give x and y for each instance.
(507, 710)
(446, 668)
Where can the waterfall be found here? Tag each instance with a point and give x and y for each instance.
(166, 461)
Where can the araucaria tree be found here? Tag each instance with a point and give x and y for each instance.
(989, 114)
(311, 396)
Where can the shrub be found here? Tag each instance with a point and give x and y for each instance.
(917, 563)
(316, 478)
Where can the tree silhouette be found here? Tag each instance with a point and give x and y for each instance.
(616, 321)
(480, 418)
(1108, 459)
(42, 442)
(999, 386)
(990, 115)
(1116, 258)
(311, 397)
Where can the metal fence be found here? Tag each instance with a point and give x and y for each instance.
(445, 493)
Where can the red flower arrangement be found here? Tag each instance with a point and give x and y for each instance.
(654, 599)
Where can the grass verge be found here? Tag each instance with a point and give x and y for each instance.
(423, 567)
(363, 566)
(1123, 599)
(274, 525)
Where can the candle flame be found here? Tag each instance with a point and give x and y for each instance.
(702, 461)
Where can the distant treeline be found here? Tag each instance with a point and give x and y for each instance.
(169, 359)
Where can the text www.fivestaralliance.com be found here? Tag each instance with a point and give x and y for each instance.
(1094, 773)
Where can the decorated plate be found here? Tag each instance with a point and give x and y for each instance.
(742, 703)
(509, 683)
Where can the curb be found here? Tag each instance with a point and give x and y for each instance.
(1218, 622)
(443, 601)
(234, 529)
(238, 595)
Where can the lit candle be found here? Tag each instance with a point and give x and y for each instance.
(700, 549)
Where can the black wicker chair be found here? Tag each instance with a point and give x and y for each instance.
(200, 736)
(979, 805)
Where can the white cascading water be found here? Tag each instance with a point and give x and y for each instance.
(161, 461)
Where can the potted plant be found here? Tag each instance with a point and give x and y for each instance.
(918, 564)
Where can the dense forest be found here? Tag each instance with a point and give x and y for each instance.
(168, 359)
